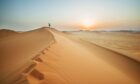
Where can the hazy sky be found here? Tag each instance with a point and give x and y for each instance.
(29, 14)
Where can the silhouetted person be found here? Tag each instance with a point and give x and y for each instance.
(49, 25)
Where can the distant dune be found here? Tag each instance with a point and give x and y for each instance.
(48, 56)
(124, 42)
(6, 33)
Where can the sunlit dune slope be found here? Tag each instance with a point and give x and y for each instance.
(127, 43)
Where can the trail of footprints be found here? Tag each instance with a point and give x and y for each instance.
(31, 75)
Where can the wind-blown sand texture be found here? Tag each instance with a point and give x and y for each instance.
(62, 60)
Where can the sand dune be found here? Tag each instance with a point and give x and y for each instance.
(5, 33)
(67, 60)
(17, 51)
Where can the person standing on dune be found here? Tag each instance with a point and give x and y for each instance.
(49, 25)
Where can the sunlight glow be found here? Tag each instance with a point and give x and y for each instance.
(88, 23)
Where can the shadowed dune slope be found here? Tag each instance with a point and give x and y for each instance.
(16, 52)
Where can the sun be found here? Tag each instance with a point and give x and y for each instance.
(88, 23)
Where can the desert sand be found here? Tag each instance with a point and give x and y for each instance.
(126, 43)
(47, 56)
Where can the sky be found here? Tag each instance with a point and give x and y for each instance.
(69, 14)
